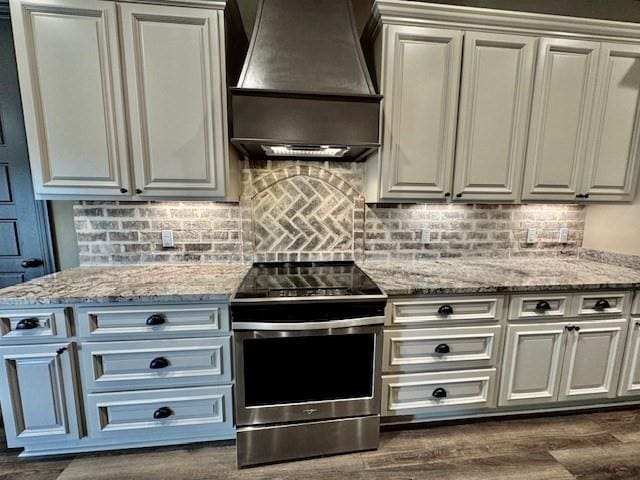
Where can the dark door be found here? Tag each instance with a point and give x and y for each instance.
(25, 251)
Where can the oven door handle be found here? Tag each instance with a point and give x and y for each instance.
(346, 323)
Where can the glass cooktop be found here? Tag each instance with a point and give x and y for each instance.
(306, 279)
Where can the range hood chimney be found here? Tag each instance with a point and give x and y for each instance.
(305, 90)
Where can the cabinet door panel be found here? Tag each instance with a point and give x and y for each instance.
(630, 376)
(592, 361)
(497, 81)
(613, 163)
(38, 394)
(174, 71)
(421, 101)
(562, 104)
(532, 364)
(69, 65)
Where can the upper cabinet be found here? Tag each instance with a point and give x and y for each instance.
(612, 167)
(497, 107)
(494, 116)
(173, 144)
(421, 102)
(70, 79)
(562, 105)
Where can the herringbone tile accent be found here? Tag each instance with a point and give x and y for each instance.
(303, 214)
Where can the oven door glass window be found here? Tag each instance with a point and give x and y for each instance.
(308, 368)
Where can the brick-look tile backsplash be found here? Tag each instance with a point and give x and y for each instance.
(393, 231)
(314, 210)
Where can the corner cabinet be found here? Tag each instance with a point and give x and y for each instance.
(75, 84)
(491, 106)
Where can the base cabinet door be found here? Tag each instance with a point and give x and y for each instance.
(175, 69)
(38, 394)
(69, 66)
(532, 364)
(420, 88)
(630, 376)
(592, 360)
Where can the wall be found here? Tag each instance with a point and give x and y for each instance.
(614, 228)
(314, 210)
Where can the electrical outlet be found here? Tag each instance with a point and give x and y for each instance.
(167, 238)
(532, 235)
(425, 236)
(564, 235)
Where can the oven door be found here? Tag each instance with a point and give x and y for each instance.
(295, 375)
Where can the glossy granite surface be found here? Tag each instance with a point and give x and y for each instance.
(153, 283)
(201, 282)
(476, 275)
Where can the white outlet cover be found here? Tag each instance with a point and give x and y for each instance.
(167, 238)
(532, 235)
(563, 237)
(425, 235)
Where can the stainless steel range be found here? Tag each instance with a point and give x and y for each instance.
(307, 340)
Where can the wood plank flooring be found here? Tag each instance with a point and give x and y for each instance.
(591, 446)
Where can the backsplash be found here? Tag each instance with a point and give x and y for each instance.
(313, 210)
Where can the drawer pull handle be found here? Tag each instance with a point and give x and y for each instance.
(155, 320)
(576, 328)
(28, 324)
(569, 328)
(162, 412)
(158, 363)
(445, 310)
(602, 304)
(543, 306)
(443, 348)
(439, 393)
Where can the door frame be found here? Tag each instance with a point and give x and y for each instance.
(41, 206)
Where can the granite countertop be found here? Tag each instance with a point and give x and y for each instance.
(215, 282)
(140, 283)
(475, 275)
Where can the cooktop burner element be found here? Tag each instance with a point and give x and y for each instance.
(292, 280)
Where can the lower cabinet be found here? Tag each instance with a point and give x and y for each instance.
(151, 415)
(630, 377)
(439, 392)
(38, 394)
(562, 361)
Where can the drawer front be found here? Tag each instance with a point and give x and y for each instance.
(528, 307)
(109, 366)
(153, 321)
(430, 393)
(636, 305)
(34, 326)
(449, 310)
(407, 350)
(199, 412)
(604, 303)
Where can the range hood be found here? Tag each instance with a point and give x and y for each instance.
(305, 90)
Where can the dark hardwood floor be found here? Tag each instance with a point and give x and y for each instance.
(590, 446)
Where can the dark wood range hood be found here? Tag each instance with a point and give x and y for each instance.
(305, 90)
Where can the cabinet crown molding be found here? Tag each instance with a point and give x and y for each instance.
(403, 12)
(211, 4)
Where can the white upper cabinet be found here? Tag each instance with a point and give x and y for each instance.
(612, 167)
(69, 67)
(497, 79)
(562, 105)
(71, 75)
(420, 87)
(175, 84)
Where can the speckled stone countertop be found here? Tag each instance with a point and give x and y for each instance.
(474, 275)
(140, 283)
(189, 283)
